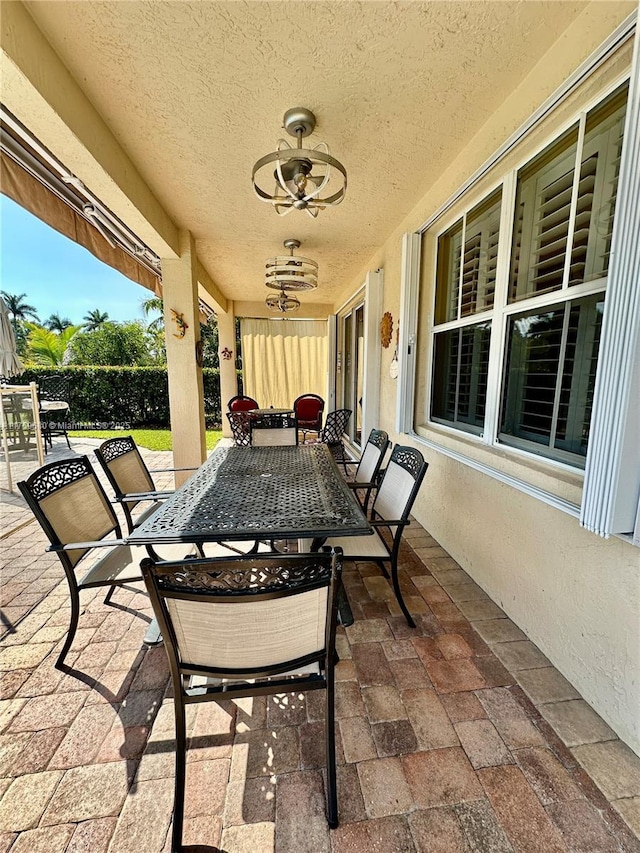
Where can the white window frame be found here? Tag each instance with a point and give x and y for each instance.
(499, 314)
(410, 287)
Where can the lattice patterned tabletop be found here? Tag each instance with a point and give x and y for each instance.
(258, 493)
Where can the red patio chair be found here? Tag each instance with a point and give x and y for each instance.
(240, 403)
(308, 409)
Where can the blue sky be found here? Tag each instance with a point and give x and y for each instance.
(58, 275)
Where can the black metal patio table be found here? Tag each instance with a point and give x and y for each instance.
(258, 493)
(255, 493)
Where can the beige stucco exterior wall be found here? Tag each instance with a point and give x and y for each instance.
(575, 595)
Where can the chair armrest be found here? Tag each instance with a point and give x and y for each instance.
(145, 496)
(78, 546)
(169, 470)
(383, 522)
(353, 485)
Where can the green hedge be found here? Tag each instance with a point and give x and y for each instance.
(130, 396)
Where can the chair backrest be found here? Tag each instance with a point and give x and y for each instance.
(400, 484)
(239, 423)
(240, 403)
(70, 504)
(55, 388)
(259, 614)
(372, 456)
(308, 409)
(335, 426)
(273, 430)
(125, 468)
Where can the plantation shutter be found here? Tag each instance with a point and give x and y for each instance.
(544, 230)
(543, 215)
(480, 258)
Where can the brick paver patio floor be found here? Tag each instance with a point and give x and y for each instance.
(455, 737)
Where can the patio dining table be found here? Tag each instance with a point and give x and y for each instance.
(257, 413)
(259, 493)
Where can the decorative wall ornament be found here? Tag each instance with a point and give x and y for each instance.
(393, 367)
(301, 174)
(386, 329)
(181, 324)
(226, 354)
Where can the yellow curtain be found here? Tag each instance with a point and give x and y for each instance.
(282, 359)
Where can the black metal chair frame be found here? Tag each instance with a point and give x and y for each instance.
(379, 439)
(239, 423)
(331, 434)
(54, 389)
(43, 483)
(306, 425)
(252, 578)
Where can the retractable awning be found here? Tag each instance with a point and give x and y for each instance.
(37, 181)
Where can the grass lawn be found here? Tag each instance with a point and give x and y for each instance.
(152, 439)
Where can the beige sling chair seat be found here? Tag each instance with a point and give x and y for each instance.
(75, 514)
(366, 476)
(273, 431)
(260, 624)
(389, 516)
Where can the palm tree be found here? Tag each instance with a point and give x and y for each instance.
(47, 348)
(18, 308)
(149, 306)
(94, 319)
(56, 323)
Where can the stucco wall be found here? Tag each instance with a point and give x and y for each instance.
(575, 595)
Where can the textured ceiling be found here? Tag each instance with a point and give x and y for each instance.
(195, 94)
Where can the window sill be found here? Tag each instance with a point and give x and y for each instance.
(554, 483)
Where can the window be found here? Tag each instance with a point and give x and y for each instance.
(550, 376)
(517, 347)
(466, 284)
(461, 366)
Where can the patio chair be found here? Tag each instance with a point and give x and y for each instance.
(130, 478)
(308, 409)
(241, 403)
(334, 428)
(54, 394)
(390, 511)
(272, 430)
(132, 483)
(239, 423)
(366, 476)
(75, 514)
(260, 624)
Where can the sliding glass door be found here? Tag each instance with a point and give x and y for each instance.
(352, 364)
